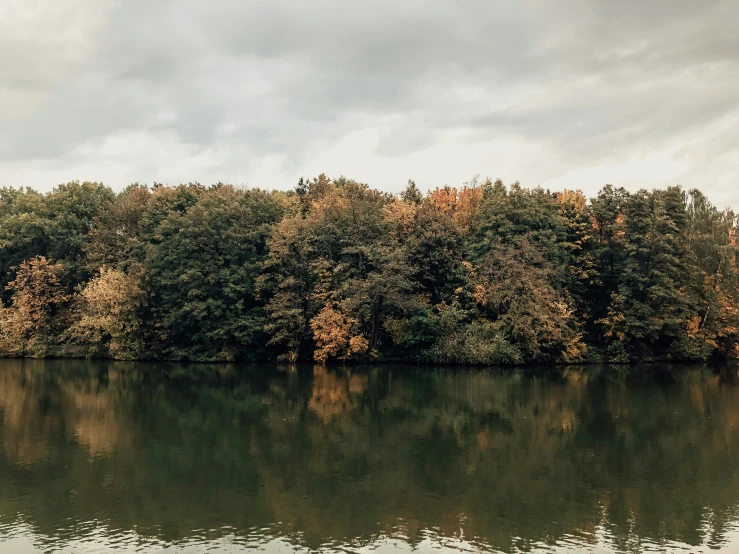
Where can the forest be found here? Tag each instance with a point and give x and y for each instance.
(335, 271)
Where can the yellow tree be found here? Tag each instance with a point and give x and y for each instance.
(107, 321)
(26, 327)
(335, 335)
(459, 204)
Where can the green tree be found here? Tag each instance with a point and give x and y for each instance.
(204, 264)
(23, 231)
(71, 209)
(435, 250)
(714, 281)
(286, 284)
(608, 233)
(515, 291)
(650, 309)
(117, 236)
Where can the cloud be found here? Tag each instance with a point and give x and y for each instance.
(572, 93)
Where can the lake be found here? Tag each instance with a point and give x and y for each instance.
(136, 457)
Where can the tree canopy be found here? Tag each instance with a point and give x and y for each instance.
(335, 270)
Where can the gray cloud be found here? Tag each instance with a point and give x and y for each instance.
(143, 90)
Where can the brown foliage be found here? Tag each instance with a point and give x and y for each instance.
(107, 313)
(459, 204)
(27, 326)
(334, 334)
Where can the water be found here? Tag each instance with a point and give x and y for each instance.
(119, 457)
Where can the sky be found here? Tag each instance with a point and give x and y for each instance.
(557, 93)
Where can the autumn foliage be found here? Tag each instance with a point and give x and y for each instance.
(37, 303)
(337, 271)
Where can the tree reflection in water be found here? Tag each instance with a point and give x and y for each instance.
(344, 458)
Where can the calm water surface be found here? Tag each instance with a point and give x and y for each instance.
(118, 457)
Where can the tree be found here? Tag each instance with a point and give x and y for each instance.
(204, 264)
(383, 295)
(23, 230)
(286, 284)
(714, 281)
(31, 323)
(514, 290)
(335, 335)
(412, 194)
(107, 318)
(506, 215)
(116, 236)
(607, 222)
(435, 249)
(650, 309)
(581, 275)
(71, 209)
(461, 205)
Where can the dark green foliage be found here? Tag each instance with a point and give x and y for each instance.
(204, 262)
(71, 209)
(23, 223)
(55, 225)
(650, 307)
(435, 253)
(505, 215)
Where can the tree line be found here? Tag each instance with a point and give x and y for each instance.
(334, 270)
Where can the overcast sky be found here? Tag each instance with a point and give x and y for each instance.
(562, 93)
